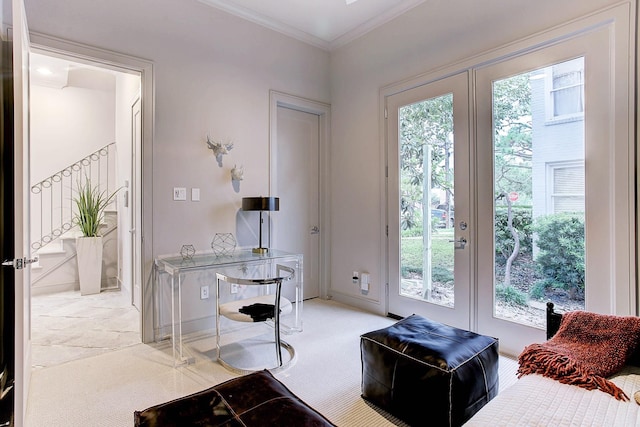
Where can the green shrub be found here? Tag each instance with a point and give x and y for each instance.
(540, 287)
(441, 274)
(560, 239)
(521, 221)
(509, 295)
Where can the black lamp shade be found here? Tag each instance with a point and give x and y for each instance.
(260, 204)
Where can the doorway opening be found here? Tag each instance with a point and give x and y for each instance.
(85, 119)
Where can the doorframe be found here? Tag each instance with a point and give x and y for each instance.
(54, 46)
(135, 188)
(323, 111)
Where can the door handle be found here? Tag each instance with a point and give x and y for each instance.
(314, 230)
(460, 243)
(19, 263)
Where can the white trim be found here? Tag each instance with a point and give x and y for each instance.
(298, 34)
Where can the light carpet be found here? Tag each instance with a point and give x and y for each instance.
(105, 390)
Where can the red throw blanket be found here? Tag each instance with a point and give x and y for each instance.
(587, 348)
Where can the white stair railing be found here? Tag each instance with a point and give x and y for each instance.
(52, 206)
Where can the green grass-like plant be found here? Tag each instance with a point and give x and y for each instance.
(91, 204)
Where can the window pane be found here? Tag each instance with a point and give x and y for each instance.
(427, 200)
(567, 88)
(567, 101)
(539, 194)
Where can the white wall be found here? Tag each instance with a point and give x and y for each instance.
(127, 88)
(213, 73)
(66, 125)
(431, 36)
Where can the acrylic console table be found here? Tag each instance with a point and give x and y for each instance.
(243, 263)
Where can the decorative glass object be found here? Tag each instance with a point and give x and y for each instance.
(223, 244)
(187, 251)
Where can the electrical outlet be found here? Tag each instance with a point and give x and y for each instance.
(364, 282)
(234, 288)
(204, 292)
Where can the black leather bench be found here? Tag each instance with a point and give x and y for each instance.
(428, 373)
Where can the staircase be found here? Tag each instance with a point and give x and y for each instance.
(53, 232)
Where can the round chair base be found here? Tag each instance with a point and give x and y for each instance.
(285, 363)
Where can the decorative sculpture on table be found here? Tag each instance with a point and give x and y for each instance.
(187, 251)
(219, 148)
(223, 244)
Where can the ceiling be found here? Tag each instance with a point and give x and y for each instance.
(59, 73)
(327, 24)
(323, 23)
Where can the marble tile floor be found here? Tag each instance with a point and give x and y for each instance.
(67, 326)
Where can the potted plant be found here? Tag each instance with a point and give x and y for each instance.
(91, 204)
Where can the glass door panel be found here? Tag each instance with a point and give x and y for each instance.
(538, 145)
(426, 203)
(428, 133)
(551, 154)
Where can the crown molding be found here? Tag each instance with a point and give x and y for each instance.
(303, 36)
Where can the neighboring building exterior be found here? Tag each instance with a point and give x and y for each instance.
(557, 109)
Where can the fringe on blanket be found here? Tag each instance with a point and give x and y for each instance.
(537, 359)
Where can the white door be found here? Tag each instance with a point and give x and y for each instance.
(579, 176)
(134, 208)
(297, 224)
(22, 236)
(429, 201)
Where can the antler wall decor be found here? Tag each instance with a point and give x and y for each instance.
(219, 148)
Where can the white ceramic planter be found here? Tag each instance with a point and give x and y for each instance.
(89, 250)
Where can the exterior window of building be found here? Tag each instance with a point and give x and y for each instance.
(565, 89)
(566, 184)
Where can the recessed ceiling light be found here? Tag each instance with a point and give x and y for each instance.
(350, 1)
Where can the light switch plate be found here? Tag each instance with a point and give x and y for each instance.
(179, 193)
(195, 194)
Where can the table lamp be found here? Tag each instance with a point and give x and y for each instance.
(260, 204)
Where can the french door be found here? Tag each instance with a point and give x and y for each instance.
(511, 184)
(429, 200)
(553, 173)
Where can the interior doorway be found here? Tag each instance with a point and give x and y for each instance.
(299, 145)
(78, 107)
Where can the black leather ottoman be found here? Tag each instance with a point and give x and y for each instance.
(254, 400)
(427, 373)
